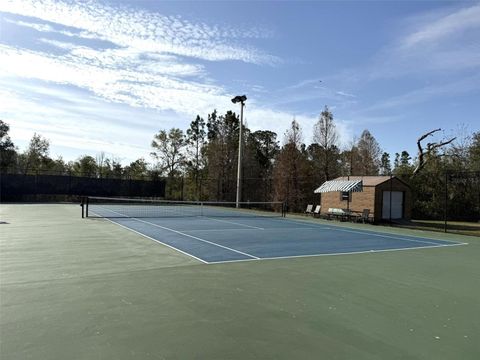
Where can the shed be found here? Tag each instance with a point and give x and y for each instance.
(386, 197)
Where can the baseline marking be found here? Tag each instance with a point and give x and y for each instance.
(335, 254)
(187, 235)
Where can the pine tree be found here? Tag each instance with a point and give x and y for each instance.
(385, 166)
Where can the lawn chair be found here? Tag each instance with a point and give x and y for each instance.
(309, 210)
(316, 212)
(365, 216)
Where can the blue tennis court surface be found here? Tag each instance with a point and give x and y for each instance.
(217, 240)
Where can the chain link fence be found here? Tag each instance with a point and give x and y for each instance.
(48, 186)
(448, 201)
(443, 201)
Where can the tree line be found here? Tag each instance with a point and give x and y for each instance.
(201, 162)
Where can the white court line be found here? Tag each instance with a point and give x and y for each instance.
(390, 237)
(292, 228)
(317, 226)
(235, 223)
(336, 254)
(158, 241)
(380, 234)
(187, 235)
(266, 229)
(216, 230)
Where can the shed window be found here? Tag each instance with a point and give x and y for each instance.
(346, 196)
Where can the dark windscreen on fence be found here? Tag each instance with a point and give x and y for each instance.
(18, 187)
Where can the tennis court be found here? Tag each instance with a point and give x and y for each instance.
(89, 288)
(220, 232)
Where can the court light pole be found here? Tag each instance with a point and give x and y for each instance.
(240, 99)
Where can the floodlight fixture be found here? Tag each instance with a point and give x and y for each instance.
(239, 99)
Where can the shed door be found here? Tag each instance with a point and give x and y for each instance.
(397, 205)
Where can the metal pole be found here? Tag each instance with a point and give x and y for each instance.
(239, 168)
(348, 196)
(390, 210)
(183, 185)
(445, 211)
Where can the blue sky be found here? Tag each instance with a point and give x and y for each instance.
(97, 76)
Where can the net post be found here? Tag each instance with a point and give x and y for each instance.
(86, 206)
(83, 207)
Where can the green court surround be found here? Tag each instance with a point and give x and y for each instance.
(73, 288)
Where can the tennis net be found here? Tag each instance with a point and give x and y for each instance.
(105, 207)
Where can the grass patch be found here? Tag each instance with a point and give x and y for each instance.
(458, 227)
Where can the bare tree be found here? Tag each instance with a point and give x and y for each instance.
(425, 154)
(370, 154)
(293, 136)
(325, 135)
(101, 159)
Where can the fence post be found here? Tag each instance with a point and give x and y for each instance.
(390, 206)
(82, 204)
(183, 185)
(445, 211)
(70, 185)
(200, 190)
(36, 185)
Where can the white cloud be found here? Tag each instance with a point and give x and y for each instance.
(77, 125)
(115, 75)
(58, 44)
(46, 28)
(144, 71)
(35, 26)
(88, 126)
(428, 93)
(453, 24)
(145, 31)
(280, 122)
(144, 67)
(438, 42)
(345, 94)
